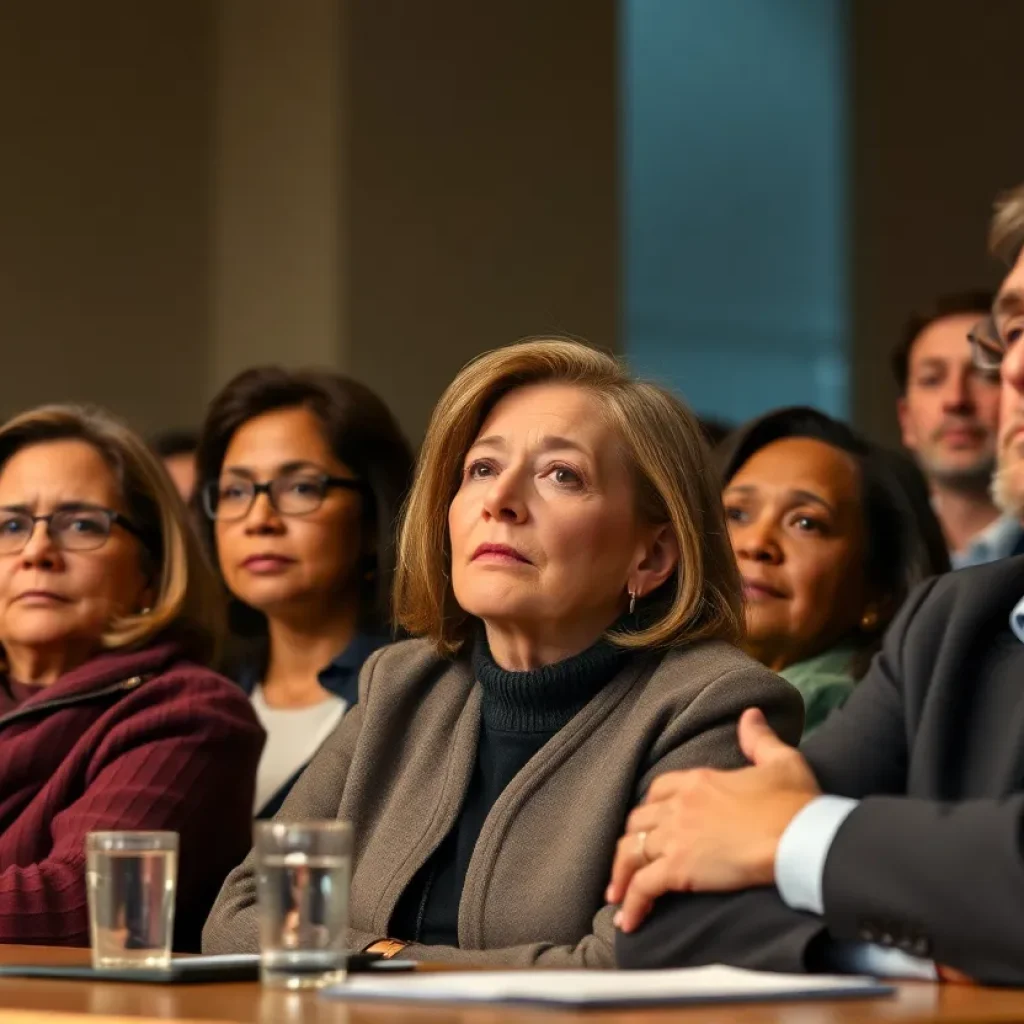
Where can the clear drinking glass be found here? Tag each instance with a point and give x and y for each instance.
(131, 880)
(302, 880)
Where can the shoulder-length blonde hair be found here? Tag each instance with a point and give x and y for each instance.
(675, 485)
(188, 605)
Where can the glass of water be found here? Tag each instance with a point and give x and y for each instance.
(302, 879)
(131, 879)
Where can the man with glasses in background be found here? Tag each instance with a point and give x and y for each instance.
(891, 842)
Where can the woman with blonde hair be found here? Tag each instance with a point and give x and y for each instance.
(108, 610)
(565, 566)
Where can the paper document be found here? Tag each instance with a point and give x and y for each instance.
(604, 988)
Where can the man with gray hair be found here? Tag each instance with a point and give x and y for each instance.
(995, 346)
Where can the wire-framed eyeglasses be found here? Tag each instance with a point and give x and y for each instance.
(989, 344)
(74, 528)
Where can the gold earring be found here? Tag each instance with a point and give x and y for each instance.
(868, 621)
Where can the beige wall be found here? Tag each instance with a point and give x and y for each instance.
(400, 186)
(483, 184)
(278, 184)
(392, 186)
(384, 186)
(104, 220)
(937, 132)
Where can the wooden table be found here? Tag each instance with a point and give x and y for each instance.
(62, 1002)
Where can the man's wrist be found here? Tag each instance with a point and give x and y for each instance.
(769, 857)
(803, 849)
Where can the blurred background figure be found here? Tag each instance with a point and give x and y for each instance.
(830, 534)
(948, 412)
(177, 451)
(714, 430)
(302, 478)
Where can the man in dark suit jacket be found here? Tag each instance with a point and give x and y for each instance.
(913, 863)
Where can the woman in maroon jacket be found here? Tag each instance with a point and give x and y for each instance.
(108, 720)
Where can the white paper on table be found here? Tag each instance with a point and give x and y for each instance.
(605, 988)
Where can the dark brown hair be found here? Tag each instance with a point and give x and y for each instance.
(904, 540)
(171, 443)
(977, 301)
(715, 431)
(360, 431)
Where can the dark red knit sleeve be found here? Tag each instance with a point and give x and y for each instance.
(180, 758)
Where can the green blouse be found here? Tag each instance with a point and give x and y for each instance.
(824, 681)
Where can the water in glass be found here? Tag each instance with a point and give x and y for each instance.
(303, 900)
(131, 904)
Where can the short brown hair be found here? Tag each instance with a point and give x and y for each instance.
(188, 605)
(675, 484)
(978, 301)
(362, 433)
(1006, 233)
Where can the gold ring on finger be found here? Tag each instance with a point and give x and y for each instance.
(641, 842)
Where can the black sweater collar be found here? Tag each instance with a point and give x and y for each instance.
(546, 698)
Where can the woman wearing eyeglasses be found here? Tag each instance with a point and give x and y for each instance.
(302, 476)
(108, 718)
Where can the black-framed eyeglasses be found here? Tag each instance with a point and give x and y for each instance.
(75, 528)
(292, 494)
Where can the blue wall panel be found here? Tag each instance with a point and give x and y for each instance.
(734, 201)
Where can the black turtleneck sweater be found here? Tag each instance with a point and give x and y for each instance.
(520, 712)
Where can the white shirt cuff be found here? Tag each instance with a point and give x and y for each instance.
(877, 961)
(803, 850)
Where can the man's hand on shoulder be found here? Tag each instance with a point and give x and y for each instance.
(711, 831)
